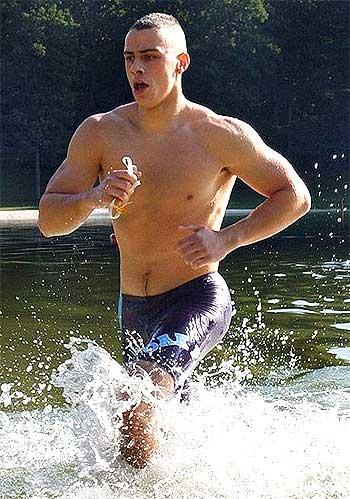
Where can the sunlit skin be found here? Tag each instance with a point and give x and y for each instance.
(188, 159)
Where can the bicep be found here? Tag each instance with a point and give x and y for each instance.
(81, 167)
(257, 165)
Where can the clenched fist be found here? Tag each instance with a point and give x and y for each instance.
(118, 186)
(202, 247)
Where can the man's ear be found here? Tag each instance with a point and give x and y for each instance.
(183, 62)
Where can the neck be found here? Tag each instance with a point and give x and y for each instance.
(163, 116)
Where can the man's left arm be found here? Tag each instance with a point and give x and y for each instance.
(268, 173)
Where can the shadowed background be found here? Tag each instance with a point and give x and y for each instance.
(282, 66)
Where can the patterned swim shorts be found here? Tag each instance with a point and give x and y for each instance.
(176, 329)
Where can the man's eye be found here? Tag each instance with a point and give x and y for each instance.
(149, 57)
(129, 58)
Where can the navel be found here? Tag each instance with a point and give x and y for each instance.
(190, 197)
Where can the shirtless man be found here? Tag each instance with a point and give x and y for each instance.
(174, 304)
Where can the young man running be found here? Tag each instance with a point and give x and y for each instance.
(175, 306)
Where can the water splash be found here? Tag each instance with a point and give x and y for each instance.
(227, 441)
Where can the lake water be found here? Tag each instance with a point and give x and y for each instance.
(269, 412)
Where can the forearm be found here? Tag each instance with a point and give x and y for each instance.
(275, 214)
(61, 214)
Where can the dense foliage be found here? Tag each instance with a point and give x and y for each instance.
(282, 66)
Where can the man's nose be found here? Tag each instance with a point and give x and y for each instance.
(137, 68)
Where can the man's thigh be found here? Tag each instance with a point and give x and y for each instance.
(191, 323)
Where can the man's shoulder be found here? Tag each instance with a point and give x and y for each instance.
(121, 114)
(208, 121)
(218, 130)
(96, 127)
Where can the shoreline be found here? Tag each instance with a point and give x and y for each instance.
(101, 216)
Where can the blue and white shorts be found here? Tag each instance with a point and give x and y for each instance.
(176, 329)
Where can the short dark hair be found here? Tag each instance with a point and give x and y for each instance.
(155, 20)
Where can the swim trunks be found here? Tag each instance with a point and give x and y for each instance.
(176, 329)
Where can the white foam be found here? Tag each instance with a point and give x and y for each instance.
(228, 442)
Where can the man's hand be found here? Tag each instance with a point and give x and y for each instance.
(118, 185)
(202, 247)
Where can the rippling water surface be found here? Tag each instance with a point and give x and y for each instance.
(269, 410)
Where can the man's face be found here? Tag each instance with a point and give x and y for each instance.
(151, 62)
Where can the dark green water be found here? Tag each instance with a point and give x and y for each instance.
(269, 412)
(292, 295)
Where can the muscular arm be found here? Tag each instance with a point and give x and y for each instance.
(269, 174)
(245, 155)
(69, 197)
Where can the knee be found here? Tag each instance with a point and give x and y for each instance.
(160, 378)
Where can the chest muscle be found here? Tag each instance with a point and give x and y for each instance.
(176, 169)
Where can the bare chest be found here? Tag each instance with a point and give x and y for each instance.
(177, 167)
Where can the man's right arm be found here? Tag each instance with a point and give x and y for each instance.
(70, 196)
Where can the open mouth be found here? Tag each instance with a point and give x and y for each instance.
(140, 87)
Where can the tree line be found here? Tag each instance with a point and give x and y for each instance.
(280, 65)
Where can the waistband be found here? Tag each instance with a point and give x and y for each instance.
(193, 283)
